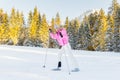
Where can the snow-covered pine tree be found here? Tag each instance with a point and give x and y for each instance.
(34, 24)
(22, 33)
(30, 15)
(87, 35)
(109, 34)
(117, 30)
(3, 27)
(100, 35)
(84, 35)
(15, 24)
(44, 32)
(113, 7)
(57, 19)
(66, 23)
(93, 22)
(80, 40)
(95, 36)
(70, 32)
(33, 28)
(73, 32)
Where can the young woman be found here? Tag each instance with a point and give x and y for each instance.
(60, 34)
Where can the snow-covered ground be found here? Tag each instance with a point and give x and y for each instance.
(25, 63)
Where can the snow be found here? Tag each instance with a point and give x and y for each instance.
(88, 12)
(26, 63)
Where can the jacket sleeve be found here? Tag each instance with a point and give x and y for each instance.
(53, 36)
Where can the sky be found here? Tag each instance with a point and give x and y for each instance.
(70, 8)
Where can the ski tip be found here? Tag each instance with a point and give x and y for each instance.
(69, 73)
(56, 69)
(76, 70)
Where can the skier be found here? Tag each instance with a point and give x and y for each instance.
(60, 34)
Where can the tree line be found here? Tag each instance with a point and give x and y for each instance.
(96, 32)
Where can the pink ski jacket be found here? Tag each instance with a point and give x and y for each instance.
(62, 40)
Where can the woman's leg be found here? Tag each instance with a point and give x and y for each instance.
(72, 58)
(60, 56)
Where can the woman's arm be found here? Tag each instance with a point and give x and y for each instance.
(53, 36)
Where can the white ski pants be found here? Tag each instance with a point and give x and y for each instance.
(66, 49)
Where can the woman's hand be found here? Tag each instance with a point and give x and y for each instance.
(50, 30)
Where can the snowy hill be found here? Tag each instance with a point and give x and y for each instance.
(25, 63)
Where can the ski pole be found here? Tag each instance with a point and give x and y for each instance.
(44, 65)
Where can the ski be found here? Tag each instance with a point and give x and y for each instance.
(75, 70)
(56, 69)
